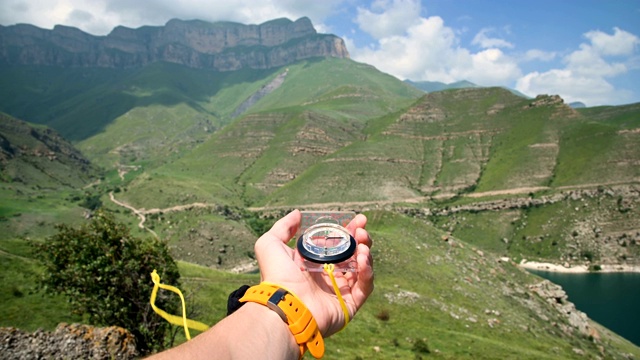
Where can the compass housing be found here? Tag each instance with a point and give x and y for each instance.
(327, 243)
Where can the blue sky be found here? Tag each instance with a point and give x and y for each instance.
(583, 50)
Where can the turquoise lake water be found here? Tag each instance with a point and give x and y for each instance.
(611, 299)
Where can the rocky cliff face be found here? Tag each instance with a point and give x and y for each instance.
(223, 46)
(68, 341)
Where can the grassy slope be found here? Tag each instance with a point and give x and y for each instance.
(440, 144)
(176, 108)
(254, 155)
(81, 103)
(447, 292)
(407, 251)
(602, 149)
(23, 306)
(341, 89)
(34, 155)
(443, 293)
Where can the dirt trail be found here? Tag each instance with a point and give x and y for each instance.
(334, 205)
(142, 212)
(514, 191)
(8, 254)
(124, 169)
(138, 213)
(526, 190)
(354, 204)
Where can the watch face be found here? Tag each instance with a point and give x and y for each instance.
(326, 243)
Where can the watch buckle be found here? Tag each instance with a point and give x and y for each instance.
(273, 301)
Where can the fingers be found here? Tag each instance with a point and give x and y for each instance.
(270, 250)
(362, 237)
(364, 285)
(356, 228)
(285, 228)
(360, 221)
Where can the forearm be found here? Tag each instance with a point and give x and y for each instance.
(252, 332)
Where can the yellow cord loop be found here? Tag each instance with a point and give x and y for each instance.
(328, 268)
(173, 319)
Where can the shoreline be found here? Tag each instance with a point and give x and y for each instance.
(578, 269)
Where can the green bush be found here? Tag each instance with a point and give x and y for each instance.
(91, 202)
(421, 347)
(106, 275)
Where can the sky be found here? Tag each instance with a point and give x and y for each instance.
(582, 50)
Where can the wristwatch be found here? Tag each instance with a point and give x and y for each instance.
(293, 312)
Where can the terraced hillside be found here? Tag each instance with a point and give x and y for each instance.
(463, 178)
(467, 146)
(280, 137)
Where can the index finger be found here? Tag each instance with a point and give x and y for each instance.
(356, 228)
(360, 221)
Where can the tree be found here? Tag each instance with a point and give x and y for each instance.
(105, 273)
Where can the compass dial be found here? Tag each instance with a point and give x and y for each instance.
(326, 243)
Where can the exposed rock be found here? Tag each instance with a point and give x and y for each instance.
(75, 341)
(556, 297)
(546, 100)
(223, 46)
(403, 296)
(554, 101)
(264, 91)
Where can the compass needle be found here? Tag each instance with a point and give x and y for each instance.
(327, 243)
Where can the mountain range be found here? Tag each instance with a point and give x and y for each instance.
(197, 44)
(202, 133)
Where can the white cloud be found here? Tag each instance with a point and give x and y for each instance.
(588, 70)
(592, 91)
(388, 18)
(620, 43)
(590, 62)
(409, 56)
(99, 17)
(483, 40)
(429, 50)
(539, 55)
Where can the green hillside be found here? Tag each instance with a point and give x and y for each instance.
(451, 181)
(120, 115)
(432, 298)
(265, 149)
(36, 155)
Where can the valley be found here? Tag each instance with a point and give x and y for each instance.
(459, 185)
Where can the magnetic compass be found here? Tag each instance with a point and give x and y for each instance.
(324, 243)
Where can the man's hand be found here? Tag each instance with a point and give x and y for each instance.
(277, 265)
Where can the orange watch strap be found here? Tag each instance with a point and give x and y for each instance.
(293, 311)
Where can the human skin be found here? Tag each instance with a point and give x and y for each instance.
(255, 331)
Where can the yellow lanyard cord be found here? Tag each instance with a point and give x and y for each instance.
(173, 319)
(328, 268)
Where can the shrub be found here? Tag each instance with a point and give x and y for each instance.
(383, 315)
(105, 274)
(587, 254)
(91, 202)
(421, 347)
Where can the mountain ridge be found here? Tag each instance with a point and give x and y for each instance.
(194, 43)
(433, 86)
